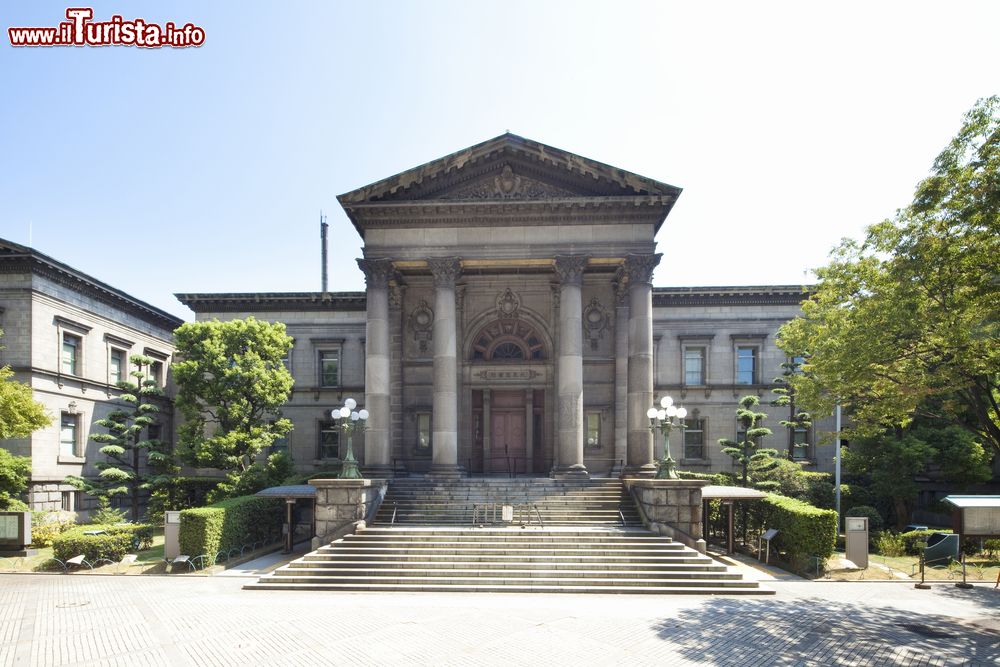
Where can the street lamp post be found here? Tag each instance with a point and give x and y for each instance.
(350, 421)
(662, 419)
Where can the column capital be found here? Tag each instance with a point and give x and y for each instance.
(570, 268)
(445, 270)
(377, 272)
(639, 268)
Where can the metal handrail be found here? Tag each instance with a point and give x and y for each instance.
(621, 515)
(539, 515)
(393, 520)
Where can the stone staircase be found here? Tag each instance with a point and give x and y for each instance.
(581, 545)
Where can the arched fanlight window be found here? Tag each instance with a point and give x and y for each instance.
(507, 340)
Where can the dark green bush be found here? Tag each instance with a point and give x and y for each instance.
(230, 524)
(113, 543)
(803, 530)
(819, 490)
(915, 540)
(852, 495)
(718, 478)
(875, 522)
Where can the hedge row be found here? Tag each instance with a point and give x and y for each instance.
(803, 530)
(229, 524)
(113, 543)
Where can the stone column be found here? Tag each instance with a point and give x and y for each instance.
(639, 271)
(569, 394)
(529, 430)
(487, 429)
(621, 372)
(444, 461)
(377, 451)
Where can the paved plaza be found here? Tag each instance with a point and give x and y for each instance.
(83, 619)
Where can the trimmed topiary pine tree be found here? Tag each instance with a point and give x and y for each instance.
(747, 453)
(798, 421)
(133, 463)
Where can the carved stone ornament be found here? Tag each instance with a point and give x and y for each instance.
(621, 286)
(570, 268)
(377, 272)
(445, 271)
(508, 305)
(508, 185)
(596, 320)
(421, 323)
(639, 268)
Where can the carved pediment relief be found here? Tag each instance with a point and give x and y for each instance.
(507, 184)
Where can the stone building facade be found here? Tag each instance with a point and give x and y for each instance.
(510, 325)
(69, 336)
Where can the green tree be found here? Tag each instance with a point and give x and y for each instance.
(889, 461)
(747, 453)
(798, 421)
(133, 463)
(20, 414)
(231, 384)
(14, 474)
(906, 323)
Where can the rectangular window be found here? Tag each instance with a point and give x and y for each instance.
(154, 432)
(424, 431)
(593, 429)
(116, 366)
(69, 434)
(694, 439)
(329, 440)
(746, 365)
(154, 372)
(67, 499)
(329, 368)
(802, 446)
(694, 366)
(70, 354)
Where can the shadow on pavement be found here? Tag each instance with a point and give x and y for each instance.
(812, 631)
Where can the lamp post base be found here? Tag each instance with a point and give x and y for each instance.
(349, 468)
(665, 468)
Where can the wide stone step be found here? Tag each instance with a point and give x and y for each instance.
(589, 561)
(505, 573)
(509, 539)
(444, 542)
(562, 532)
(660, 588)
(599, 579)
(567, 565)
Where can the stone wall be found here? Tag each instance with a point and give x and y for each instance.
(671, 507)
(342, 505)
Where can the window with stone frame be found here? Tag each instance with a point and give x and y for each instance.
(72, 346)
(593, 421)
(747, 364)
(69, 435)
(424, 432)
(694, 365)
(694, 438)
(802, 451)
(329, 441)
(117, 364)
(329, 368)
(154, 372)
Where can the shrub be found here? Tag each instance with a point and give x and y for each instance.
(819, 490)
(874, 518)
(179, 493)
(105, 515)
(888, 543)
(718, 478)
(13, 505)
(229, 524)
(113, 543)
(852, 495)
(803, 530)
(915, 540)
(991, 548)
(46, 526)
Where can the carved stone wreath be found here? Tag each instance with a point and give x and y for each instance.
(508, 305)
(596, 320)
(421, 323)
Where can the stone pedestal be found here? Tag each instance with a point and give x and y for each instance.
(342, 505)
(672, 507)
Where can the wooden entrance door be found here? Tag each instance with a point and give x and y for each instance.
(508, 445)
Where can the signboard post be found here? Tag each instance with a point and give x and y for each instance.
(857, 540)
(15, 533)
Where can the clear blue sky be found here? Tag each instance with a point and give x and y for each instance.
(789, 125)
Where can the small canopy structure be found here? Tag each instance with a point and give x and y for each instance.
(291, 495)
(728, 495)
(975, 516)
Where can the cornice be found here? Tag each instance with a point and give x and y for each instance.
(769, 295)
(15, 258)
(274, 301)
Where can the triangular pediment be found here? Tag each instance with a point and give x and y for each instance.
(508, 168)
